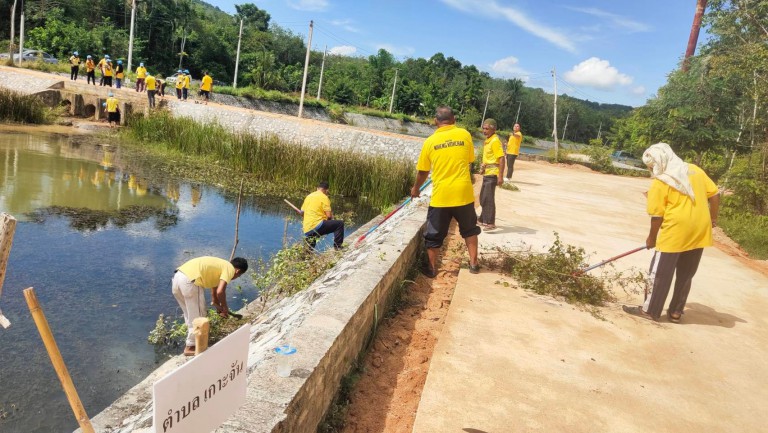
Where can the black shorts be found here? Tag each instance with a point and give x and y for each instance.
(114, 117)
(206, 93)
(439, 218)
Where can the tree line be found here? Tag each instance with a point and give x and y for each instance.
(190, 34)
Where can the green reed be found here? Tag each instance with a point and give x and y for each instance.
(21, 108)
(296, 167)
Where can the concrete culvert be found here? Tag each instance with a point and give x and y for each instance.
(67, 105)
(89, 111)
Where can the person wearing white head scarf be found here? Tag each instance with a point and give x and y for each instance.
(683, 203)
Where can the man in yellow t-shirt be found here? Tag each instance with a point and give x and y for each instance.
(74, 63)
(90, 67)
(189, 282)
(100, 66)
(151, 85)
(180, 80)
(141, 76)
(206, 86)
(186, 83)
(493, 169)
(448, 154)
(318, 218)
(683, 203)
(113, 110)
(513, 150)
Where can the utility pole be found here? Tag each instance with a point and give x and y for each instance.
(13, 29)
(392, 99)
(306, 69)
(554, 131)
(322, 69)
(130, 38)
(518, 111)
(566, 124)
(701, 5)
(21, 34)
(487, 97)
(237, 57)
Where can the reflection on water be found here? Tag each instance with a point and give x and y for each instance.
(103, 286)
(37, 173)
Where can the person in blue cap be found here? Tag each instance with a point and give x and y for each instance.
(179, 83)
(100, 66)
(113, 110)
(187, 79)
(119, 74)
(74, 63)
(90, 68)
(141, 76)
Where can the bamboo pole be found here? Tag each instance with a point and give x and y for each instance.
(237, 220)
(201, 327)
(7, 229)
(57, 361)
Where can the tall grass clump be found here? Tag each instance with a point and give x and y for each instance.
(18, 107)
(294, 166)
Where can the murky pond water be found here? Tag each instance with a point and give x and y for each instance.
(102, 276)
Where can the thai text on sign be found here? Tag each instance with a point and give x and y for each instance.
(203, 393)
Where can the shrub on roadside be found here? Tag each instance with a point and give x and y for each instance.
(21, 108)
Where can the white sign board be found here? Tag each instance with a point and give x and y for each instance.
(201, 394)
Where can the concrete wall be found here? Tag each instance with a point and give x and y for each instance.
(330, 324)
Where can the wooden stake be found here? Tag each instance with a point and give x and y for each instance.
(201, 327)
(7, 229)
(57, 361)
(237, 220)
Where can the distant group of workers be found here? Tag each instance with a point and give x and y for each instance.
(154, 86)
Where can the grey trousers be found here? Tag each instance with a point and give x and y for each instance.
(488, 200)
(683, 267)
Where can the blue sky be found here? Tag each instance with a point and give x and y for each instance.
(609, 51)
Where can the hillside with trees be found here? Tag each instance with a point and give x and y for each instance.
(190, 34)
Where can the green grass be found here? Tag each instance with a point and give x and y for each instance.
(21, 108)
(750, 231)
(293, 166)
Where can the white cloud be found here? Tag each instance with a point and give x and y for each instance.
(343, 50)
(509, 67)
(639, 90)
(597, 73)
(616, 21)
(346, 25)
(491, 9)
(309, 5)
(396, 51)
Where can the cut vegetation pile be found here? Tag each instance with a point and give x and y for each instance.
(557, 273)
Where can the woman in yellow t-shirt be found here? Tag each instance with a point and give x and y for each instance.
(683, 203)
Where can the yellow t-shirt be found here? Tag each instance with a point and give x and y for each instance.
(513, 146)
(492, 151)
(206, 271)
(112, 105)
(207, 83)
(141, 72)
(150, 82)
(180, 80)
(187, 79)
(448, 153)
(89, 66)
(687, 224)
(315, 206)
(74, 61)
(107, 70)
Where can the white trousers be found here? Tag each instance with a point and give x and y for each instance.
(191, 299)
